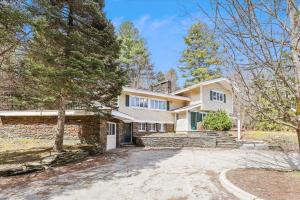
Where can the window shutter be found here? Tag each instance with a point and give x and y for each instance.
(211, 95)
(127, 101)
(224, 98)
(168, 105)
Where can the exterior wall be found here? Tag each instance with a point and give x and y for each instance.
(216, 105)
(148, 115)
(87, 129)
(181, 122)
(194, 95)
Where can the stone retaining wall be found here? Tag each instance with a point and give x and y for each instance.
(179, 141)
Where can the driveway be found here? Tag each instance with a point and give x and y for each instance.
(153, 174)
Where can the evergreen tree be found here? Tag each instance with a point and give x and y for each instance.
(71, 58)
(135, 57)
(12, 32)
(200, 58)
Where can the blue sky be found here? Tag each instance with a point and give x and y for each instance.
(163, 24)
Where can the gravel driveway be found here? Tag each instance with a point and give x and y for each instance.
(153, 174)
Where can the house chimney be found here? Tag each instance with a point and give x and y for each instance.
(163, 87)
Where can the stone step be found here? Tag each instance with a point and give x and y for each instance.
(227, 146)
(226, 140)
(127, 145)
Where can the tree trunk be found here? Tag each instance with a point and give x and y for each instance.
(59, 137)
(298, 135)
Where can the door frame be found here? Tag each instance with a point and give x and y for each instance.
(115, 134)
(131, 130)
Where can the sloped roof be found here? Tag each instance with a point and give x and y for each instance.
(201, 83)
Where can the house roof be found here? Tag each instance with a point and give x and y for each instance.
(35, 113)
(156, 94)
(201, 83)
(122, 116)
(187, 108)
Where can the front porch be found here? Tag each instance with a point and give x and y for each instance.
(188, 119)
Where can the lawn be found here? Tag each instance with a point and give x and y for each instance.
(286, 139)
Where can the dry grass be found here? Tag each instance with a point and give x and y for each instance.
(16, 151)
(286, 139)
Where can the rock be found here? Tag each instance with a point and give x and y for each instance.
(10, 171)
(49, 159)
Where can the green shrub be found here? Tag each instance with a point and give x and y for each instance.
(218, 121)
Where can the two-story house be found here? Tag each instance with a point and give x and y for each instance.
(138, 112)
(179, 111)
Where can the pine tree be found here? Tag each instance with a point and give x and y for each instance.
(200, 58)
(71, 58)
(12, 32)
(13, 39)
(135, 57)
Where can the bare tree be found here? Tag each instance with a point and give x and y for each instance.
(262, 38)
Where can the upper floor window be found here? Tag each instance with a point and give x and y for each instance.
(138, 102)
(217, 96)
(158, 104)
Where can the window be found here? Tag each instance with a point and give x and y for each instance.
(158, 104)
(138, 102)
(162, 128)
(152, 127)
(142, 127)
(111, 128)
(218, 96)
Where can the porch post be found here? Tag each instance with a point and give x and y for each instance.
(239, 126)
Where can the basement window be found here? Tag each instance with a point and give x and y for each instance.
(142, 127)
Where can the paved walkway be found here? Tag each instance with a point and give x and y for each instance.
(153, 174)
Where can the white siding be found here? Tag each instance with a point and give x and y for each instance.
(217, 105)
(148, 115)
(181, 122)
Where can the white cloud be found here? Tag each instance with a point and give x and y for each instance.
(147, 25)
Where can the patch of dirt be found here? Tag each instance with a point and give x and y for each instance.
(90, 162)
(179, 198)
(267, 183)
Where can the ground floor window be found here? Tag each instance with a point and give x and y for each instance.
(142, 127)
(153, 127)
(111, 128)
(162, 128)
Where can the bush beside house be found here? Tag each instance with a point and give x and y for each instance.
(219, 121)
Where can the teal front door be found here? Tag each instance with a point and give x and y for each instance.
(195, 118)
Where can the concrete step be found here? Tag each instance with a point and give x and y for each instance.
(127, 145)
(227, 144)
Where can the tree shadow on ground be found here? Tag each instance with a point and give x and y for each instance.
(278, 160)
(123, 167)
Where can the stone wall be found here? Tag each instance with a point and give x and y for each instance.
(87, 129)
(176, 141)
